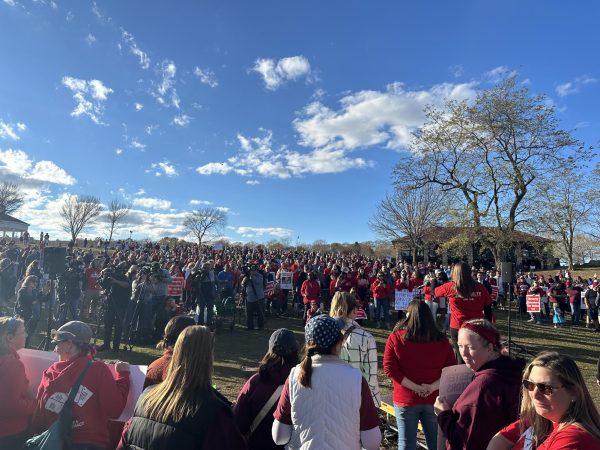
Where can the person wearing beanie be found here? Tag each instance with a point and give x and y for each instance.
(101, 397)
(491, 401)
(330, 399)
(256, 402)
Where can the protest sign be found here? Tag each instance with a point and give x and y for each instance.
(494, 294)
(403, 298)
(218, 246)
(453, 382)
(176, 287)
(286, 280)
(36, 361)
(533, 303)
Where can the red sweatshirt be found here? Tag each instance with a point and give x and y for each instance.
(100, 398)
(464, 309)
(310, 291)
(15, 407)
(381, 291)
(405, 359)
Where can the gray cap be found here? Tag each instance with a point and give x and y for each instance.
(75, 331)
(283, 342)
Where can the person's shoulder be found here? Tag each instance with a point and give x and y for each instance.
(575, 436)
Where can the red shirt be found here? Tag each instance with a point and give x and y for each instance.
(400, 285)
(380, 290)
(91, 278)
(157, 370)
(100, 398)
(569, 438)
(310, 291)
(464, 309)
(405, 359)
(15, 407)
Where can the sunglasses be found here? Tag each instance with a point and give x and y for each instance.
(545, 389)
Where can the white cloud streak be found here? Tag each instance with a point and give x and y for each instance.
(142, 56)
(200, 202)
(16, 165)
(151, 203)
(573, 87)
(164, 168)
(182, 120)
(276, 73)
(165, 93)
(11, 130)
(206, 76)
(89, 96)
(250, 232)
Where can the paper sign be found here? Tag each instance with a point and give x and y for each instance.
(494, 294)
(533, 303)
(218, 246)
(453, 382)
(36, 361)
(403, 298)
(286, 280)
(176, 287)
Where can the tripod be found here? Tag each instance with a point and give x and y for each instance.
(45, 344)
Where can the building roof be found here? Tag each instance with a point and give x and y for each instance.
(7, 218)
(442, 234)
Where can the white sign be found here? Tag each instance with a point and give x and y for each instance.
(286, 280)
(403, 298)
(36, 361)
(453, 382)
(218, 246)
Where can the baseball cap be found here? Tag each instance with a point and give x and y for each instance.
(283, 342)
(75, 331)
(323, 330)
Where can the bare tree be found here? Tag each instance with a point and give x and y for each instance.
(117, 211)
(205, 222)
(409, 212)
(78, 212)
(489, 152)
(11, 198)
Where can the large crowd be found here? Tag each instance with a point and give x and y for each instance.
(326, 396)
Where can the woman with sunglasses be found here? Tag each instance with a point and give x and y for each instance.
(17, 405)
(491, 401)
(557, 411)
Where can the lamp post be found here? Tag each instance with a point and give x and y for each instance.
(130, 233)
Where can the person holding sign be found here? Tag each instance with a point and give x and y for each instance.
(16, 406)
(381, 294)
(557, 411)
(535, 289)
(491, 401)
(416, 379)
(468, 300)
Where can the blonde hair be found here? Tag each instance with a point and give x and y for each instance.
(29, 279)
(8, 325)
(582, 411)
(188, 378)
(342, 304)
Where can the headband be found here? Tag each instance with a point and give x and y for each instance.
(489, 335)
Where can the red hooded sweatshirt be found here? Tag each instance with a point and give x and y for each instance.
(100, 398)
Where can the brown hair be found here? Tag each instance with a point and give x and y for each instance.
(419, 324)
(8, 325)
(305, 367)
(172, 330)
(272, 360)
(582, 412)
(188, 378)
(463, 280)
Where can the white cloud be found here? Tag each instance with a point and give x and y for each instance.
(140, 191)
(16, 165)
(142, 56)
(274, 74)
(90, 39)
(456, 70)
(200, 202)
(252, 182)
(138, 106)
(222, 208)
(150, 129)
(152, 203)
(257, 157)
(573, 87)
(137, 145)
(249, 232)
(498, 73)
(118, 151)
(366, 118)
(90, 97)
(183, 120)
(165, 92)
(11, 130)
(164, 168)
(206, 76)
(10, 2)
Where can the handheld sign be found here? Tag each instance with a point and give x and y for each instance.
(403, 298)
(453, 382)
(286, 280)
(533, 303)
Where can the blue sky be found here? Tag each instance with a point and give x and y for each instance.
(289, 115)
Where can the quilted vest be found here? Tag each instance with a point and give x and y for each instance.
(326, 416)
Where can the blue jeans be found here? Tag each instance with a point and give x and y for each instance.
(382, 305)
(407, 419)
(576, 312)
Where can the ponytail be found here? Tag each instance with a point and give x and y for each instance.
(305, 372)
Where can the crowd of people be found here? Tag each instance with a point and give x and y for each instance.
(323, 397)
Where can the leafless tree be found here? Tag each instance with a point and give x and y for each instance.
(11, 198)
(409, 212)
(78, 212)
(117, 211)
(205, 222)
(491, 152)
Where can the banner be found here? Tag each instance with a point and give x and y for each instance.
(533, 303)
(285, 280)
(453, 382)
(176, 287)
(36, 361)
(403, 298)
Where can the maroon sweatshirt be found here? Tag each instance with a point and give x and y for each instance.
(488, 404)
(15, 407)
